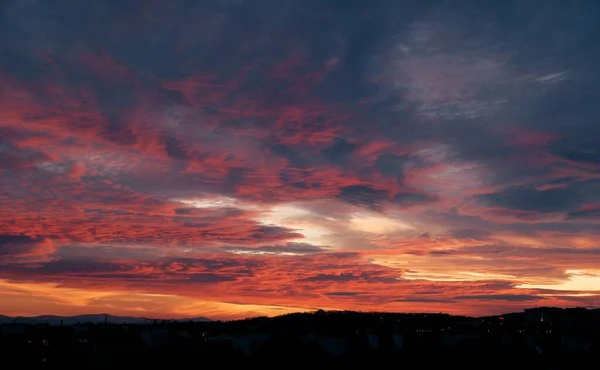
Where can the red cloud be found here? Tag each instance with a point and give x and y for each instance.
(97, 155)
(313, 281)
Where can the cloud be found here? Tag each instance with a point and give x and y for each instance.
(585, 212)
(422, 300)
(363, 195)
(16, 159)
(529, 199)
(339, 151)
(373, 277)
(287, 249)
(207, 278)
(470, 233)
(500, 297)
(20, 245)
(392, 165)
(343, 294)
(407, 199)
(292, 155)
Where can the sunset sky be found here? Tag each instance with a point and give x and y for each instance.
(237, 158)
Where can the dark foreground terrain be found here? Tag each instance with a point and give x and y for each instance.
(545, 338)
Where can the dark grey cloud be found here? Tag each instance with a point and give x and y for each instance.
(409, 199)
(175, 148)
(363, 195)
(583, 151)
(331, 277)
(358, 37)
(104, 252)
(339, 151)
(591, 214)
(214, 264)
(295, 159)
(440, 253)
(478, 234)
(392, 165)
(15, 245)
(208, 278)
(528, 198)
(71, 267)
(541, 89)
(173, 270)
(16, 159)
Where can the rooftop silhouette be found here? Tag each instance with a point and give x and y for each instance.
(539, 337)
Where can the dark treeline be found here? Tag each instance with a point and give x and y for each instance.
(540, 338)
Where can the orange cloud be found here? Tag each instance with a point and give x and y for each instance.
(181, 161)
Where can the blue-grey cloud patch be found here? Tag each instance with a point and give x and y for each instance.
(478, 234)
(580, 151)
(172, 270)
(364, 195)
(392, 165)
(295, 159)
(339, 151)
(331, 277)
(18, 159)
(410, 199)
(79, 268)
(208, 278)
(528, 198)
(591, 214)
(17, 245)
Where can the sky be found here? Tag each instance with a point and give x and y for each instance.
(240, 158)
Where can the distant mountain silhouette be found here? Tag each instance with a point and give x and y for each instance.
(89, 319)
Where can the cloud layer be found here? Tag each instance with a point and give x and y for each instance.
(242, 158)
